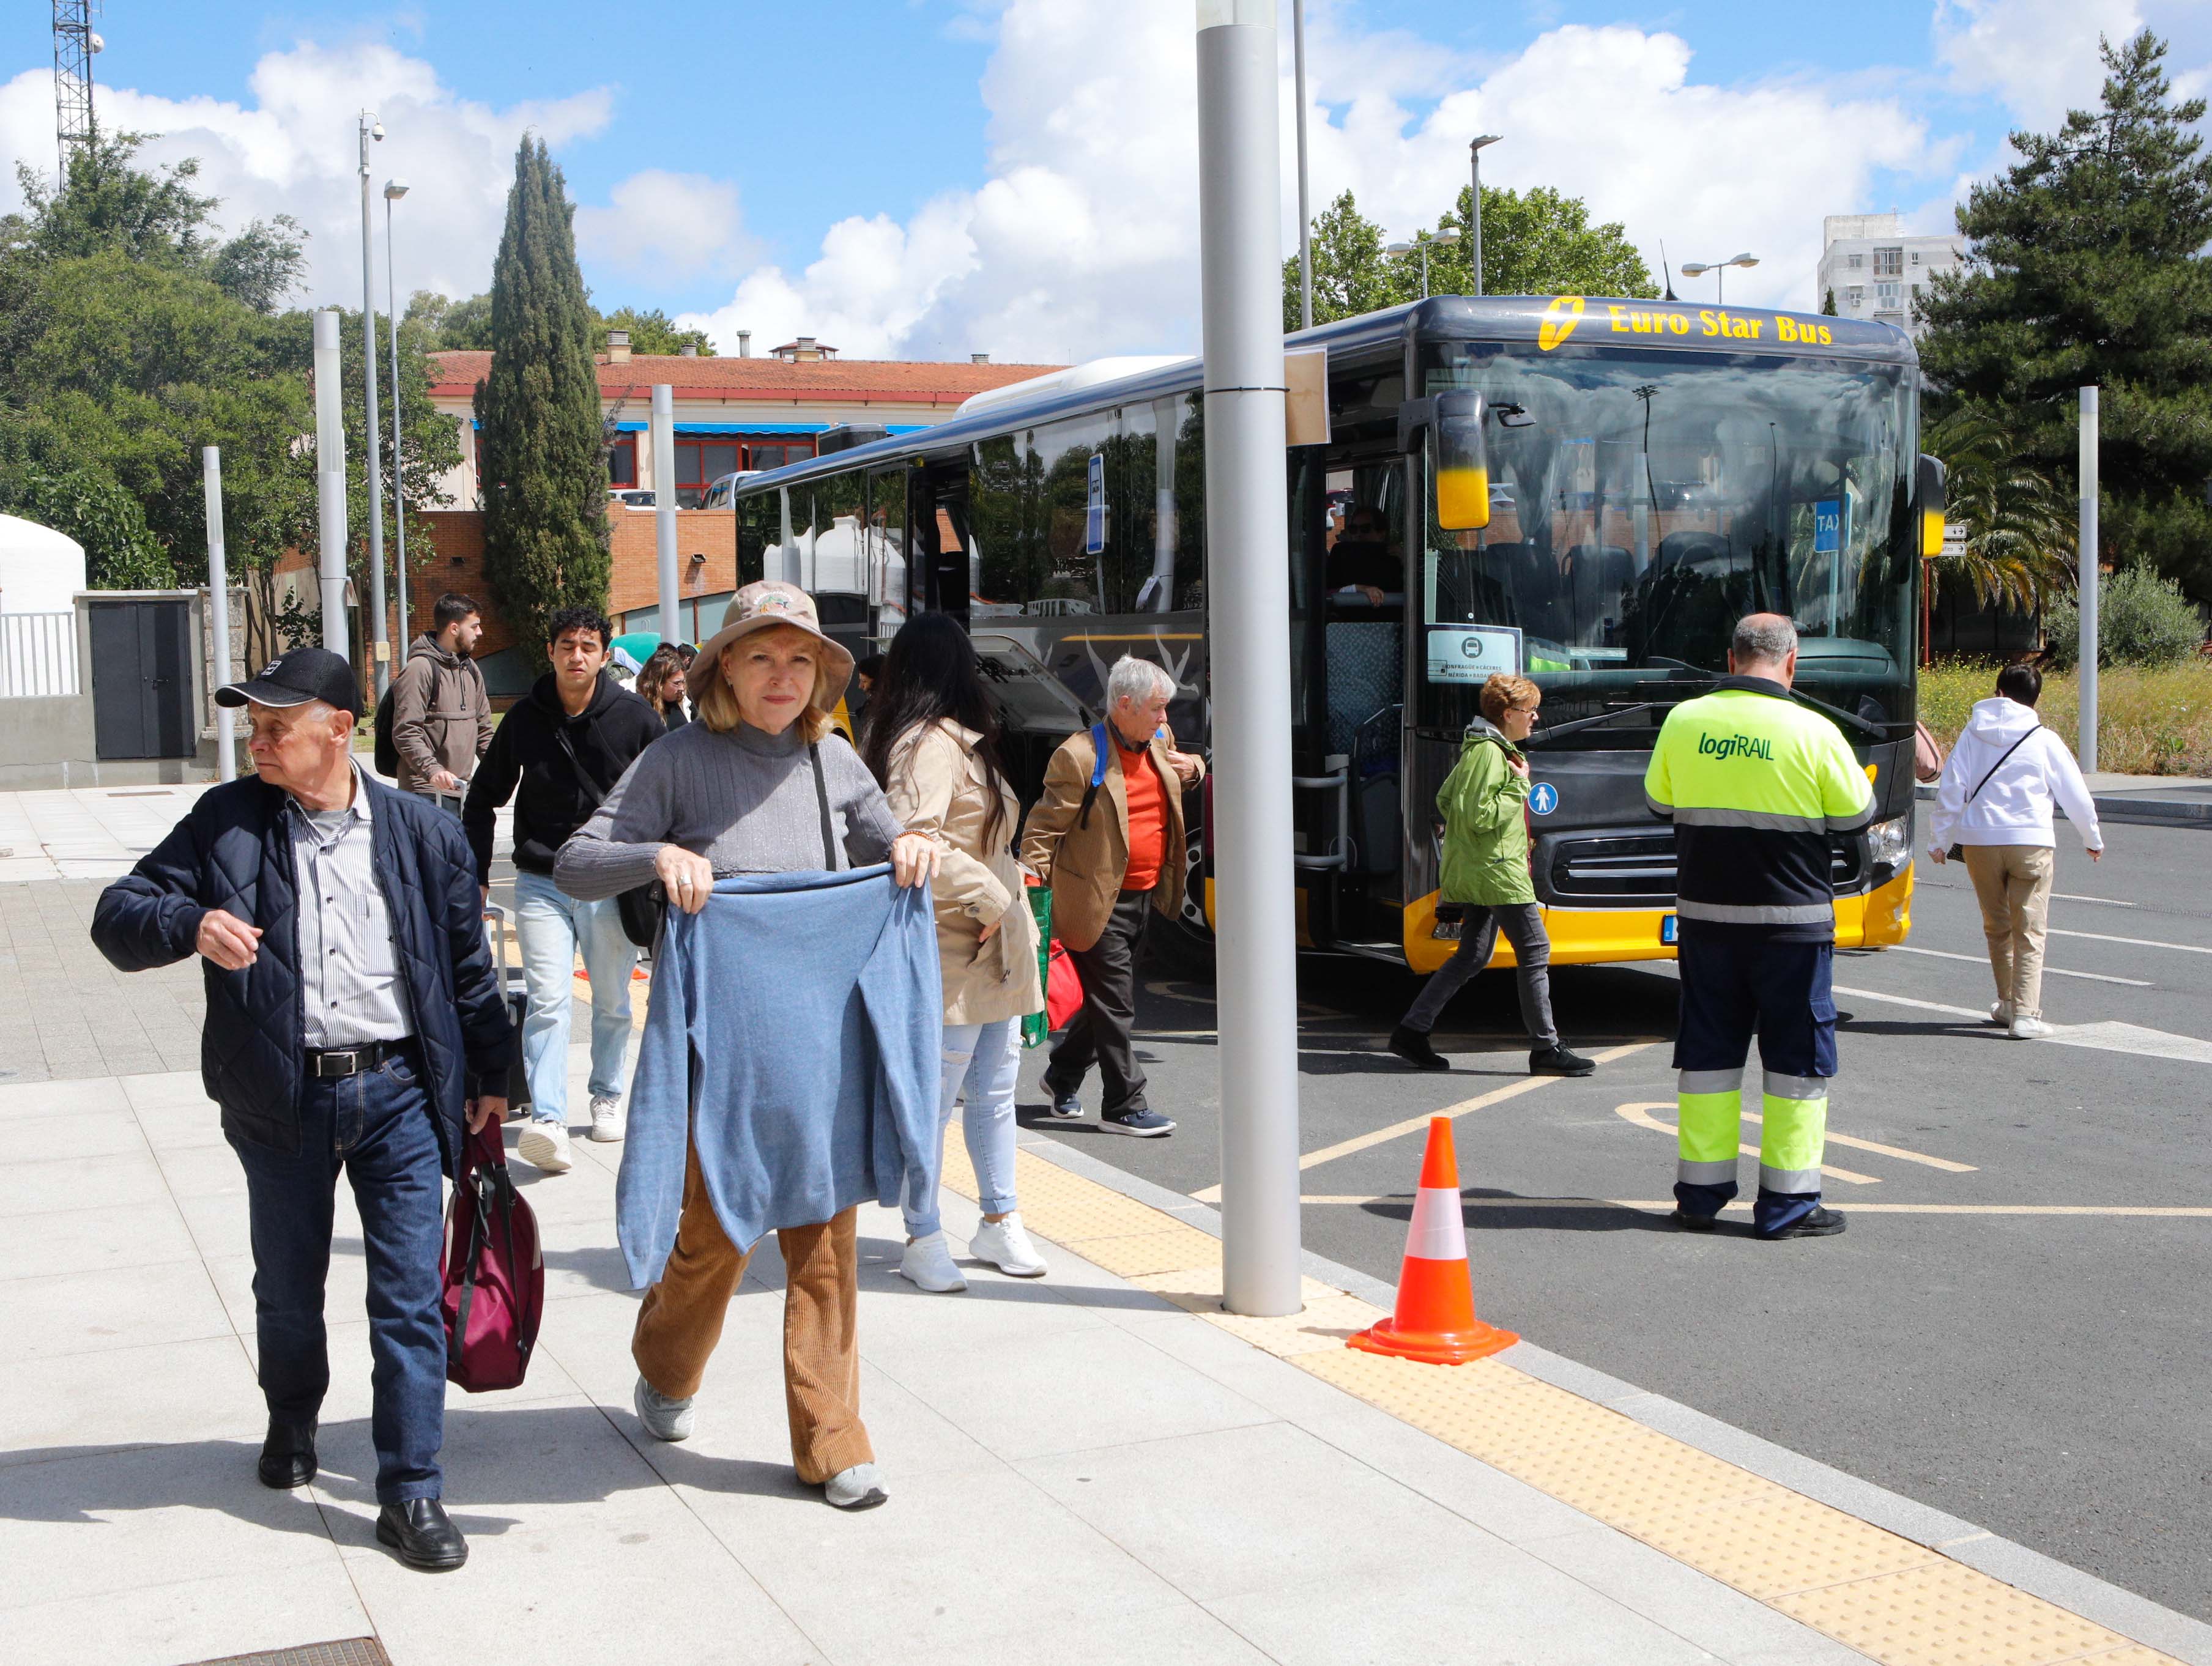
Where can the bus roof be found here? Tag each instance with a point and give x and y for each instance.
(1549, 321)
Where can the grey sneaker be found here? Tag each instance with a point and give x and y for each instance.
(1144, 1124)
(664, 1419)
(1066, 1107)
(857, 1488)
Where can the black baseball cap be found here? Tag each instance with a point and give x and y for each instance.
(297, 677)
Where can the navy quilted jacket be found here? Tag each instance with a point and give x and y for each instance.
(233, 850)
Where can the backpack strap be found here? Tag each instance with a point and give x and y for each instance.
(1098, 772)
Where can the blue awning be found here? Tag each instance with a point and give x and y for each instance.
(762, 427)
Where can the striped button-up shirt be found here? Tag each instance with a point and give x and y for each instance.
(349, 966)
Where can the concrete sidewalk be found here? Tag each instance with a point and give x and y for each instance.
(1083, 1468)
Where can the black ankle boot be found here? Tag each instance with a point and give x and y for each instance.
(1413, 1046)
(288, 1456)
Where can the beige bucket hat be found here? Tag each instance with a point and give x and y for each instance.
(764, 606)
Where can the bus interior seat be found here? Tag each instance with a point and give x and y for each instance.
(1375, 814)
(1689, 549)
(1594, 586)
(1366, 666)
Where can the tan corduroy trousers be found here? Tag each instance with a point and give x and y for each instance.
(682, 1321)
(2013, 884)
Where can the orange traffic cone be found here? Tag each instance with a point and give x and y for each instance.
(1435, 1321)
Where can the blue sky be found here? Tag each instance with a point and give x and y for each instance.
(926, 176)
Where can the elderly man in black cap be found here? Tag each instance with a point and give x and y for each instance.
(351, 1009)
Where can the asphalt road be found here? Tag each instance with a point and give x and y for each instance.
(2043, 1375)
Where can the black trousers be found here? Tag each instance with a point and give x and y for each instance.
(1099, 1032)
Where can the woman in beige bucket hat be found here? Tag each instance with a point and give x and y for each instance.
(735, 792)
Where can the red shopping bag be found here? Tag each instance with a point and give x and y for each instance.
(1063, 987)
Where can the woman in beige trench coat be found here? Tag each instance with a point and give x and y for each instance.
(932, 739)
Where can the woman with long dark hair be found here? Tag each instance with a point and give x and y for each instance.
(931, 738)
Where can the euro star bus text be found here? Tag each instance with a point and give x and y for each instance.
(1625, 322)
(1736, 746)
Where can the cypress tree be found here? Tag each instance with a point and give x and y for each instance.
(543, 462)
(2088, 268)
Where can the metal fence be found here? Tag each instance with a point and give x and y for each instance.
(38, 654)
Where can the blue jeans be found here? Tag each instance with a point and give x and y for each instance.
(552, 927)
(982, 1064)
(378, 1126)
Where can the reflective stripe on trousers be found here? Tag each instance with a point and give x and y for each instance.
(1709, 1129)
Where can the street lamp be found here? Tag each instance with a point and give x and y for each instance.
(1422, 243)
(380, 633)
(1305, 212)
(1719, 270)
(393, 190)
(1474, 148)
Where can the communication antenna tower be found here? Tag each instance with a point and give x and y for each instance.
(75, 43)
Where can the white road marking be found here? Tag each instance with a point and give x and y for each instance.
(2108, 902)
(2136, 943)
(1642, 1116)
(2048, 972)
(1659, 1206)
(2111, 1038)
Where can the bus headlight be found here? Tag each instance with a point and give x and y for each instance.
(1889, 846)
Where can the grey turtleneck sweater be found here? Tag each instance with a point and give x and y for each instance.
(744, 800)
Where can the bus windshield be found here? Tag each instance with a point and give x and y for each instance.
(1641, 502)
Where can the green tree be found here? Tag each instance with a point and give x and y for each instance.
(2142, 619)
(537, 411)
(650, 332)
(2086, 267)
(1828, 305)
(449, 325)
(1351, 273)
(2020, 526)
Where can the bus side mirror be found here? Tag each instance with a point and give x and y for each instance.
(1929, 487)
(1462, 468)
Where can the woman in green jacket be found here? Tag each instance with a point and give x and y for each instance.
(1485, 870)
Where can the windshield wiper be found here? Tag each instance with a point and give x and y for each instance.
(1551, 733)
(1838, 713)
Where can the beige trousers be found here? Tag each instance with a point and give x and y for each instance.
(682, 1320)
(2013, 884)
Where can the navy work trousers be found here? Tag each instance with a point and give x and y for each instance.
(377, 1126)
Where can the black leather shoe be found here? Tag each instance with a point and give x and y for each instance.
(1822, 1223)
(288, 1456)
(1557, 1061)
(422, 1534)
(1694, 1223)
(1413, 1046)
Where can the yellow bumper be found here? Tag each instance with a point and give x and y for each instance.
(1592, 936)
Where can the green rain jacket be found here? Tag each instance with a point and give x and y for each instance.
(1483, 802)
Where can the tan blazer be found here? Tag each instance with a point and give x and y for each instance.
(937, 787)
(1084, 864)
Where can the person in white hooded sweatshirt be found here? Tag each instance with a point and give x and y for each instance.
(1994, 801)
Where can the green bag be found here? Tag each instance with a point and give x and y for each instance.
(1033, 1027)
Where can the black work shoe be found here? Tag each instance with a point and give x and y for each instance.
(1557, 1061)
(288, 1456)
(422, 1534)
(1066, 1107)
(1694, 1223)
(1413, 1046)
(1822, 1223)
(1144, 1124)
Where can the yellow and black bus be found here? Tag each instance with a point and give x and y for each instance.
(1588, 491)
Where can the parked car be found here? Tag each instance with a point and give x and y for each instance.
(635, 497)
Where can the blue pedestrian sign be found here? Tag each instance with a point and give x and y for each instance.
(1827, 526)
(1543, 799)
(1094, 513)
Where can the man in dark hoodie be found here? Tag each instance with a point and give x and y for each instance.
(557, 754)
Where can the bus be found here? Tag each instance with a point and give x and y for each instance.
(1585, 491)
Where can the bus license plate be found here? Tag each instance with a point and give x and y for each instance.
(1666, 925)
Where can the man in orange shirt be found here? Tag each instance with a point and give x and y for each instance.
(1108, 837)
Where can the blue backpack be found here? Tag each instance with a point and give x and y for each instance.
(1098, 770)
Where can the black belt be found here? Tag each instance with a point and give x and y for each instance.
(352, 1061)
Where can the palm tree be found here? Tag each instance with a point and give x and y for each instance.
(2020, 526)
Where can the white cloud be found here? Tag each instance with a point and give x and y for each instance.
(1085, 241)
(671, 225)
(293, 150)
(2040, 56)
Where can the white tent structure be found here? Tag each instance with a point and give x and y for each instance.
(41, 572)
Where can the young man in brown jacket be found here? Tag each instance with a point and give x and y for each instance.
(441, 719)
(1112, 852)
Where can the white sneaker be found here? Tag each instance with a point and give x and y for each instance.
(2001, 1013)
(1007, 1247)
(857, 1488)
(2031, 1029)
(546, 1145)
(664, 1419)
(606, 1117)
(928, 1263)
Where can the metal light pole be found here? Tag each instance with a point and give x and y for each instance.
(1474, 149)
(664, 508)
(2087, 565)
(1719, 270)
(393, 190)
(1247, 531)
(380, 634)
(330, 480)
(1305, 212)
(226, 734)
(1422, 243)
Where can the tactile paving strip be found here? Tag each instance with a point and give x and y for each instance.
(1891, 1599)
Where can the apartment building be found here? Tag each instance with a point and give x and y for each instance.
(1875, 272)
